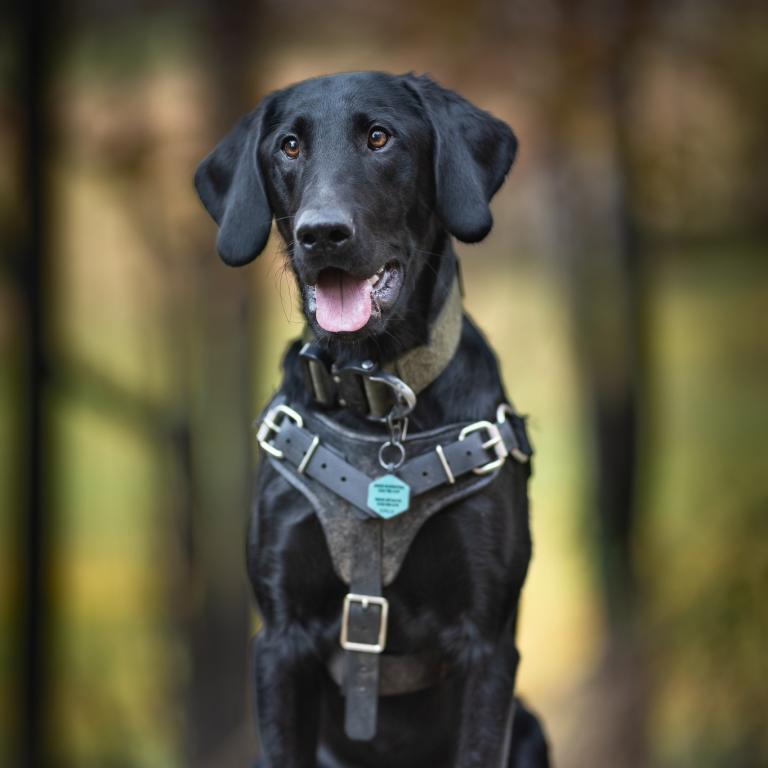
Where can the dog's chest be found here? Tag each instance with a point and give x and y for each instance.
(459, 558)
(344, 525)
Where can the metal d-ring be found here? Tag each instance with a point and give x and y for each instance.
(390, 466)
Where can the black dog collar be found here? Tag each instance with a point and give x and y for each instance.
(372, 390)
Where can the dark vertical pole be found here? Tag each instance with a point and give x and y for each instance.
(222, 438)
(618, 426)
(33, 77)
(602, 249)
(603, 263)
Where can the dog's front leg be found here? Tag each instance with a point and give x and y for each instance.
(487, 708)
(287, 700)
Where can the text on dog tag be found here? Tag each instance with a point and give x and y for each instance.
(388, 496)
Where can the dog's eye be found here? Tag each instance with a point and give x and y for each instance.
(291, 147)
(377, 137)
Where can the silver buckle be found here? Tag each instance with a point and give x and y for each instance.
(365, 601)
(502, 412)
(269, 427)
(494, 441)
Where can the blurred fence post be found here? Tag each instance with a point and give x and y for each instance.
(222, 454)
(34, 136)
(601, 251)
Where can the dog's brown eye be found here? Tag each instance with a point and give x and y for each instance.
(291, 147)
(377, 137)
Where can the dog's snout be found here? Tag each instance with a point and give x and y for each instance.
(323, 230)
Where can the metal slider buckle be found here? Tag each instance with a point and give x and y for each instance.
(269, 427)
(446, 466)
(494, 441)
(365, 601)
(308, 454)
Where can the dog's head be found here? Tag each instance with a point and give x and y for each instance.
(363, 173)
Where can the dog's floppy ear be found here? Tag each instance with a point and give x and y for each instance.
(473, 153)
(230, 184)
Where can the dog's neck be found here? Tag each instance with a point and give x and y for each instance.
(472, 367)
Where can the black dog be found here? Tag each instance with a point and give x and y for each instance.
(367, 176)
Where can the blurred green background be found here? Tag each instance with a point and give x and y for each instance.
(624, 287)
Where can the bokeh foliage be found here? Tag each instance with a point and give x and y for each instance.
(628, 260)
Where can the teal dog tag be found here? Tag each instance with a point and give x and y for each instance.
(388, 496)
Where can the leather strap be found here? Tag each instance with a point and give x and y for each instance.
(429, 470)
(398, 674)
(361, 668)
(337, 516)
(325, 465)
(444, 464)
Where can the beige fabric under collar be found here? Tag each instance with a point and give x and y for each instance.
(420, 366)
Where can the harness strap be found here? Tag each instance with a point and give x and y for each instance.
(398, 673)
(482, 447)
(364, 628)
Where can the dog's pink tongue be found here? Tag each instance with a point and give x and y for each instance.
(343, 301)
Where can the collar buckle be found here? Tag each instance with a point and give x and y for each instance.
(404, 398)
(361, 386)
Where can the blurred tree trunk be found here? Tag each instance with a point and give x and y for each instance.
(221, 449)
(32, 25)
(601, 252)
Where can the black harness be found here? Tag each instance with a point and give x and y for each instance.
(372, 497)
(457, 452)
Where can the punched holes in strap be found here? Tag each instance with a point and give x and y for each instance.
(482, 448)
(304, 451)
(431, 469)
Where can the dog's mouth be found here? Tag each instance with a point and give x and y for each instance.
(344, 303)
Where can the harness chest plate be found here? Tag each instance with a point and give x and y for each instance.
(369, 520)
(380, 497)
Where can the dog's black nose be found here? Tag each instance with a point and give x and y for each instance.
(323, 230)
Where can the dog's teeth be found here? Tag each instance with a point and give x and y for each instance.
(373, 279)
